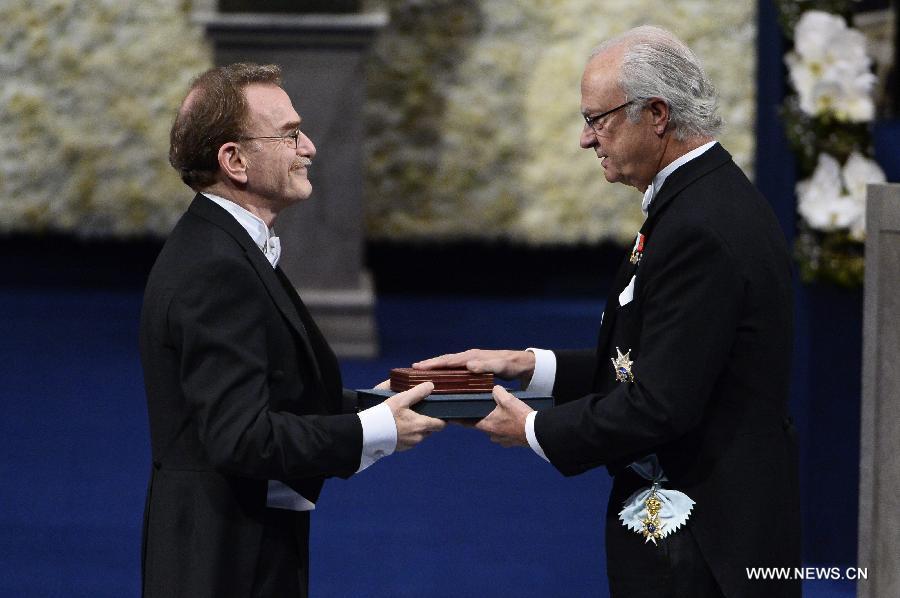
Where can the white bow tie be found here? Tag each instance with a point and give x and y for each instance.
(272, 250)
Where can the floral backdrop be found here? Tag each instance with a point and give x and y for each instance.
(474, 114)
(88, 95)
(473, 119)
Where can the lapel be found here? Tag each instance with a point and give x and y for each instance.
(623, 276)
(713, 158)
(209, 211)
(327, 368)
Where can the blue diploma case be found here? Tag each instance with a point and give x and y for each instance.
(454, 406)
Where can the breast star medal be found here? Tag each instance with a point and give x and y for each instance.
(652, 526)
(638, 250)
(622, 366)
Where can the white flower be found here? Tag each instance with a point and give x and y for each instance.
(814, 32)
(834, 198)
(830, 69)
(821, 201)
(848, 96)
(860, 171)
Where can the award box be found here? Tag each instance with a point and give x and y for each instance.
(454, 406)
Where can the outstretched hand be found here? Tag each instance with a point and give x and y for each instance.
(505, 425)
(503, 363)
(412, 427)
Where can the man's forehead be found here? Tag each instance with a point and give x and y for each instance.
(603, 69)
(600, 86)
(271, 105)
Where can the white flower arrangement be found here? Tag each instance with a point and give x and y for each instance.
(827, 123)
(834, 198)
(830, 68)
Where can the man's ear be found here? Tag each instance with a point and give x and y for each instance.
(233, 162)
(659, 115)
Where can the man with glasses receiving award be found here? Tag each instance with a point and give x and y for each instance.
(684, 399)
(244, 395)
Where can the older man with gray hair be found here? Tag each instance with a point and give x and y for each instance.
(685, 397)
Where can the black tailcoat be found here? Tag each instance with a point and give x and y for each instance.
(709, 330)
(241, 388)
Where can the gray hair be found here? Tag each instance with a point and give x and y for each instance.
(656, 64)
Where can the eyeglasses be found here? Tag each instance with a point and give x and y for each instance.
(595, 122)
(293, 136)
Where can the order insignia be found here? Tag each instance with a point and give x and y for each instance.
(622, 366)
(638, 252)
(655, 512)
(652, 526)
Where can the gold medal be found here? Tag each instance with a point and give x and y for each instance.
(652, 529)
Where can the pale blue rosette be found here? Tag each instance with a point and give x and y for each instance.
(670, 512)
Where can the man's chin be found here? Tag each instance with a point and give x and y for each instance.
(303, 193)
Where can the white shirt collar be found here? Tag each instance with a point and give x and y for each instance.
(262, 235)
(661, 176)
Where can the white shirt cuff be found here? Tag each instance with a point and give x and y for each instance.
(532, 437)
(544, 372)
(379, 434)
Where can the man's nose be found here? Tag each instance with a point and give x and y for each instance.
(588, 137)
(305, 146)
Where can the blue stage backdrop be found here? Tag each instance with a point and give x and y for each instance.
(457, 516)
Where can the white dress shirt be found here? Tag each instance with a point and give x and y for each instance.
(378, 426)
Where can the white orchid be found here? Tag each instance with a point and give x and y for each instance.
(814, 32)
(859, 172)
(834, 198)
(830, 68)
(821, 201)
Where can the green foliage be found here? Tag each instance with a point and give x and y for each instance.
(811, 135)
(834, 258)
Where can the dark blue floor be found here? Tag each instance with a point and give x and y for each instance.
(458, 516)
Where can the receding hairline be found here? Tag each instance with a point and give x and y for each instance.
(188, 102)
(240, 75)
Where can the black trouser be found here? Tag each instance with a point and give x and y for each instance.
(673, 568)
(283, 566)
